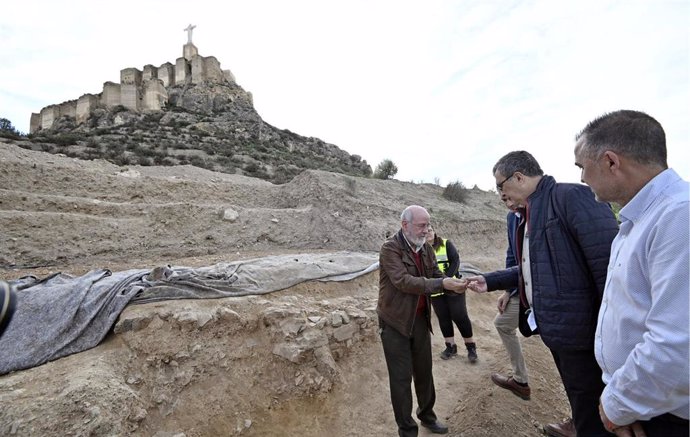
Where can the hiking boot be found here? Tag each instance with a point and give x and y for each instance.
(8, 303)
(471, 352)
(508, 383)
(563, 429)
(451, 351)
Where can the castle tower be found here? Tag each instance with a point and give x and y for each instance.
(139, 90)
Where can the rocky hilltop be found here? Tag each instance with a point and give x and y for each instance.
(207, 125)
(189, 112)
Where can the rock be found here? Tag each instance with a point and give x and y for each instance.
(230, 215)
(345, 332)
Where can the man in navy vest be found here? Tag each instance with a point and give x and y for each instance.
(563, 246)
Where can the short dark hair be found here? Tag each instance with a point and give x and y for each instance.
(520, 161)
(630, 133)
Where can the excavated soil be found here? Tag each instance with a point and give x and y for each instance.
(215, 367)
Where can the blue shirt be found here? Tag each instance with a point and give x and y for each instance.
(641, 342)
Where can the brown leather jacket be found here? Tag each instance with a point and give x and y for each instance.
(401, 283)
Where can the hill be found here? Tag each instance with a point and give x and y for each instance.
(212, 367)
(211, 125)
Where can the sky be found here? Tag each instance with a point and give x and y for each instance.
(441, 88)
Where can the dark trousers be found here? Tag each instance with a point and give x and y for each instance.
(409, 359)
(581, 378)
(666, 425)
(449, 309)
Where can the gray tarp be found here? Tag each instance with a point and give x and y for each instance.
(61, 315)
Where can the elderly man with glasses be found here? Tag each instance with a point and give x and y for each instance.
(408, 275)
(563, 243)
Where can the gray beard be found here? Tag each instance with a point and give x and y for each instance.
(417, 243)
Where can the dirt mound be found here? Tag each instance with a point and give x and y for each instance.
(303, 361)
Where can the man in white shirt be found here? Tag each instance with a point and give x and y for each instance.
(641, 341)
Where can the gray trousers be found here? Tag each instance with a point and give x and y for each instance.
(507, 324)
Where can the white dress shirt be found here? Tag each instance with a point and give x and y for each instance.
(641, 341)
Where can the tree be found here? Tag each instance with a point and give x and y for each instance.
(386, 169)
(7, 130)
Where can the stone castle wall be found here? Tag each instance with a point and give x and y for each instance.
(138, 90)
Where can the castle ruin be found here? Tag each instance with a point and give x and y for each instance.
(139, 90)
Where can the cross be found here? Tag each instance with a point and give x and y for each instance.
(189, 33)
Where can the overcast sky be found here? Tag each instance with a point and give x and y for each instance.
(442, 88)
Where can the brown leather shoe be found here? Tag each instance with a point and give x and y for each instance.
(563, 429)
(510, 384)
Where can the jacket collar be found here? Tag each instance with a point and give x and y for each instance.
(545, 184)
(406, 245)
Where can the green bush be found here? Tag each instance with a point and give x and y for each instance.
(386, 170)
(455, 192)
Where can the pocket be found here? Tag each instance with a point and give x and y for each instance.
(523, 325)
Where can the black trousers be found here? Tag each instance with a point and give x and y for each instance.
(409, 359)
(449, 309)
(666, 425)
(581, 378)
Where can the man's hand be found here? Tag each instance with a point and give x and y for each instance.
(456, 285)
(477, 284)
(632, 430)
(502, 302)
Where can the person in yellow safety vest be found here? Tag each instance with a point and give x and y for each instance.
(451, 308)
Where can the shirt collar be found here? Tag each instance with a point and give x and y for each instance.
(647, 195)
(414, 248)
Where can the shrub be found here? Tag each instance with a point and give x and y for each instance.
(386, 169)
(66, 139)
(455, 192)
(252, 167)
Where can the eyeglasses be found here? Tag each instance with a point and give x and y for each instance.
(499, 186)
(421, 226)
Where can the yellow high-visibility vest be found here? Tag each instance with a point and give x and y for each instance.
(442, 257)
(442, 260)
